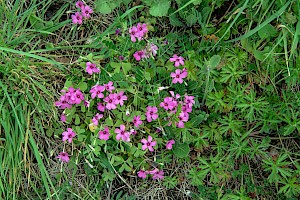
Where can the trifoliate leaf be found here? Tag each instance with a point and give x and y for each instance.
(160, 9)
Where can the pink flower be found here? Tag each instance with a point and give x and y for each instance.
(122, 134)
(189, 100)
(96, 119)
(86, 11)
(134, 33)
(79, 4)
(120, 98)
(179, 75)
(101, 107)
(91, 68)
(68, 135)
(183, 117)
(63, 118)
(186, 109)
(110, 102)
(76, 18)
(148, 144)
(169, 103)
(142, 174)
(142, 29)
(137, 121)
(74, 96)
(63, 156)
(157, 174)
(96, 91)
(178, 60)
(169, 144)
(104, 135)
(151, 113)
(177, 96)
(132, 132)
(138, 55)
(109, 86)
(86, 104)
(153, 49)
(63, 102)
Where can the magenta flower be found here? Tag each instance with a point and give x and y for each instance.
(151, 113)
(120, 98)
(76, 18)
(109, 86)
(142, 174)
(110, 102)
(79, 4)
(189, 100)
(178, 60)
(169, 144)
(96, 91)
(63, 118)
(86, 104)
(169, 103)
(148, 144)
(122, 134)
(186, 109)
(132, 132)
(96, 119)
(157, 174)
(68, 135)
(179, 75)
(183, 117)
(142, 29)
(86, 11)
(91, 68)
(137, 121)
(75, 97)
(104, 135)
(153, 49)
(63, 156)
(101, 107)
(63, 102)
(138, 55)
(177, 96)
(134, 33)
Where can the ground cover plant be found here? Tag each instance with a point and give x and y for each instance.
(171, 99)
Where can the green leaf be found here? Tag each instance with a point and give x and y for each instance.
(126, 67)
(181, 150)
(103, 7)
(147, 76)
(267, 31)
(160, 9)
(214, 61)
(197, 120)
(82, 86)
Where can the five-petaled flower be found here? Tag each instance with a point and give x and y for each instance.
(157, 174)
(122, 134)
(104, 135)
(151, 113)
(148, 144)
(86, 11)
(178, 60)
(68, 135)
(137, 121)
(63, 156)
(96, 119)
(178, 75)
(142, 174)
(91, 68)
(96, 91)
(76, 18)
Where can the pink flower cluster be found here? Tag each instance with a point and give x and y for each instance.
(138, 32)
(66, 136)
(85, 12)
(171, 104)
(156, 174)
(70, 97)
(111, 100)
(150, 50)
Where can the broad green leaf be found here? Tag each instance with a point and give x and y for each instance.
(181, 150)
(267, 31)
(160, 9)
(214, 61)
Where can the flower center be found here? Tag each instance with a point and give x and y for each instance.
(110, 101)
(177, 76)
(148, 143)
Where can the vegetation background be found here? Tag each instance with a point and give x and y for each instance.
(246, 64)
